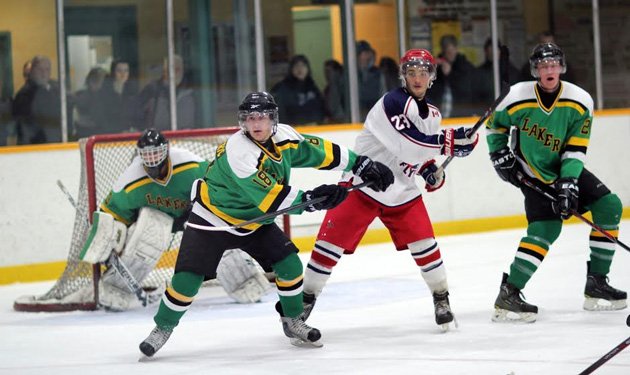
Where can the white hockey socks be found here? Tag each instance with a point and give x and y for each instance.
(426, 254)
(323, 258)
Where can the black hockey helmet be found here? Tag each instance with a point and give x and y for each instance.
(546, 52)
(258, 103)
(153, 150)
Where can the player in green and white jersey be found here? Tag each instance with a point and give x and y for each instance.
(550, 123)
(248, 178)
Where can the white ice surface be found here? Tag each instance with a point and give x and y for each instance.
(376, 317)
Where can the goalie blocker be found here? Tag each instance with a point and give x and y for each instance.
(140, 248)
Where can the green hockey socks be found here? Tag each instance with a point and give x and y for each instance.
(606, 213)
(290, 284)
(177, 299)
(532, 250)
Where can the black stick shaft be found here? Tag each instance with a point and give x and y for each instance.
(606, 357)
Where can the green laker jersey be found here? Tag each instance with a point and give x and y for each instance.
(135, 189)
(548, 142)
(246, 181)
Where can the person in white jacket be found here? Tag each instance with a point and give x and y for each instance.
(402, 131)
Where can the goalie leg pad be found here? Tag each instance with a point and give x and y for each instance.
(241, 277)
(112, 297)
(106, 235)
(147, 238)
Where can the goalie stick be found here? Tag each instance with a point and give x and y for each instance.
(270, 215)
(505, 90)
(113, 259)
(549, 196)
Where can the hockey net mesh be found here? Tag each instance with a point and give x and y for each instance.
(111, 154)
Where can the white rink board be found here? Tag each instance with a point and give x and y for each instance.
(36, 219)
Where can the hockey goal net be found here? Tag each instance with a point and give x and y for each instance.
(103, 159)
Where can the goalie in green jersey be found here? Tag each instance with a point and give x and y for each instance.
(550, 121)
(249, 178)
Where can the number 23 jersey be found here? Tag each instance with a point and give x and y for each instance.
(402, 133)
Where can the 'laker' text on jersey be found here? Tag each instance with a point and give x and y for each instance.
(246, 180)
(402, 133)
(549, 142)
(135, 189)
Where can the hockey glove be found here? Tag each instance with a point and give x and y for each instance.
(378, 173)
(455, 142)
(334, 195)
(505, 164)
(568, 192)
(427, 171)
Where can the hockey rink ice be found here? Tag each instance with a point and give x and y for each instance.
(375, 315)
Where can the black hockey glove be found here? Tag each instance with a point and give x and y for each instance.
(427, 171)
(374, 171)
(505, 164)
(455, 142)
(334, 195)
(178, 223)
(568, 192)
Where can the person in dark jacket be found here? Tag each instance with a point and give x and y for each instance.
(120, 100)
(452, 89)
(371, 83)
(300, 101)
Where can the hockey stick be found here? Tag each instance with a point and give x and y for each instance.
(505, 90)
(270, 215)
(612, 238)
(113, 260)
(608, 355)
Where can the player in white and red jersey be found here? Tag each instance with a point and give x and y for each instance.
(403, 132)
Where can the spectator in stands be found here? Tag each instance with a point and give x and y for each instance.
(154, 100)
(26, 70)
(334, 92)
(390, 73)
(120, 106)
(452, 89)
(88, 106)
(526, 75)
(37, 107)
(483, 79)
(371, 85)
(299, 100)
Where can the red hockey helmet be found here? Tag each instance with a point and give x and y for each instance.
(418, 58)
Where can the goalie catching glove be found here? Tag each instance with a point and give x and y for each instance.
(455, 142)
(433, 182)
(373, 171)
(334, 195)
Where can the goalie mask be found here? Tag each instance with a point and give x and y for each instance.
(258, 104)
(420, 58)
(546, 52)
(153, 150)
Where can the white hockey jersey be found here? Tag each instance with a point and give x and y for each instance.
(402, 133)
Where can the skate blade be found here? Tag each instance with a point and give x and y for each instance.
(600, 304)
(506, 316)
(306, 344)
(144, 358)
(447, 326)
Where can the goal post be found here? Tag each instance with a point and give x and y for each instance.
(103, 159)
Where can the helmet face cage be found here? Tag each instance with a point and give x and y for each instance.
(271, 113)
(153, 156)
(546, 52)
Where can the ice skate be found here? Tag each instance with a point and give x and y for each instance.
(599, 295)
(309, 303)
(299, 332)
(443, 314)
(510, 306)
(154, 342)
